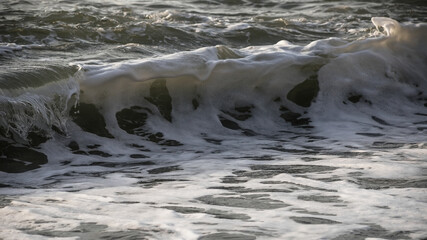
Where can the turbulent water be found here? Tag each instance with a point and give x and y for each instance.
(213, 119)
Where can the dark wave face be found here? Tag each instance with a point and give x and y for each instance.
(213, 119)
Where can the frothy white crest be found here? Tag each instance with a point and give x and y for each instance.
(390, 26)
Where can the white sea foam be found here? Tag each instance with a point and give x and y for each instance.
(122, 205)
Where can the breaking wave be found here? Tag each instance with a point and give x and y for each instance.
(219, 90)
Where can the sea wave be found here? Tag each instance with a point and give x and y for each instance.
(254, 90)
(35, 103)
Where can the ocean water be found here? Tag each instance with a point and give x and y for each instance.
(213, 119)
